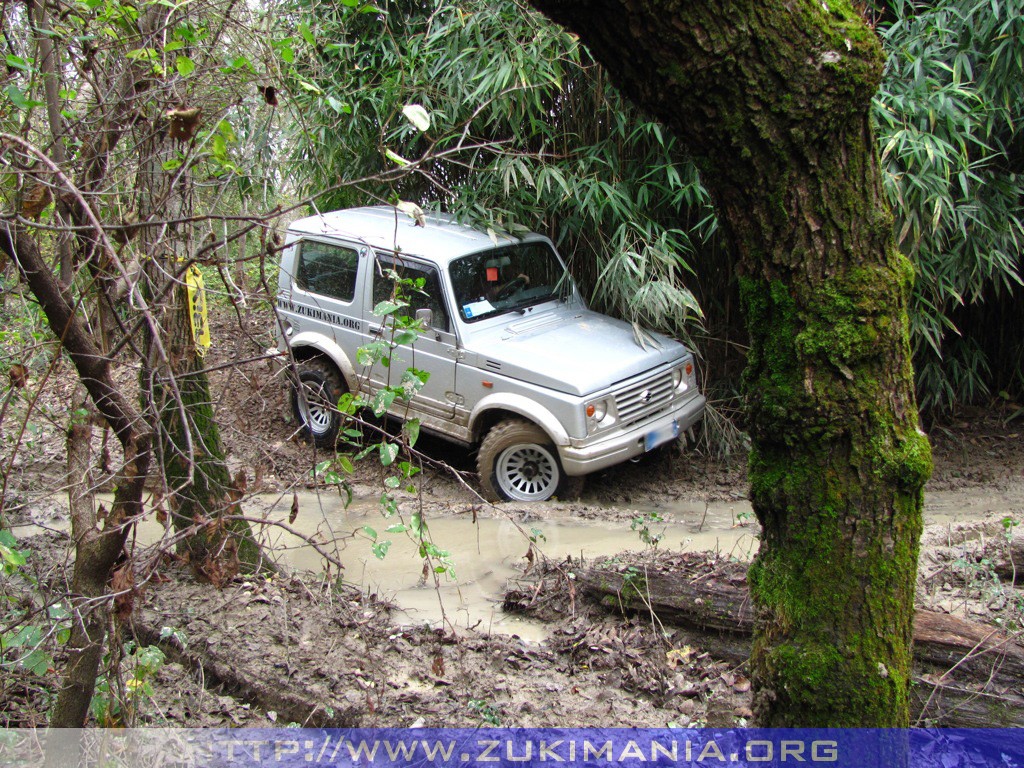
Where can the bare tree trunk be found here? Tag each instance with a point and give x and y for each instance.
(98, 543)
(51, 87)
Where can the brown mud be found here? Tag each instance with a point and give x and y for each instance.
(314, 649)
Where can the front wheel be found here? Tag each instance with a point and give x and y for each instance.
(316, 404)
(517, 462)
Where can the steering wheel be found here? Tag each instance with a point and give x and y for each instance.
(510, 288)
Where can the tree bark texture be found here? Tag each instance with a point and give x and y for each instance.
(202, 499)
(98, 544)
(772, 100)
(965, 674)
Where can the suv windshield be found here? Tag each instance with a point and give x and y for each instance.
(506, 279)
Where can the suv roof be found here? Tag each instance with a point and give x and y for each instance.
(385, 227)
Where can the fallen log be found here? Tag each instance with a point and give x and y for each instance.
(966, 674)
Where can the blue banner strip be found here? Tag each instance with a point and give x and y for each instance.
(513, 748)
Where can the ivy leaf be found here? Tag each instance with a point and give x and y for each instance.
(38, 662)
(371, 353)
(413, 210)
(412, 430)
(184, 65)
(406, 336)
(340, 107)
(20, 100)
(392, 156)
(16, 62)
(383, 400)
(388, 453)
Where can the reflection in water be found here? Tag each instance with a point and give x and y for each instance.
(484, 554)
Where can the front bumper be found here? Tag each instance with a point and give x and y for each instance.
(583, 457)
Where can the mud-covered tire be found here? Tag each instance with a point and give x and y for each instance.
(317, 412)
(572, 488)
(518, 462)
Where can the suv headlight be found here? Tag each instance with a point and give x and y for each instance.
(596, 412)
(682, 377)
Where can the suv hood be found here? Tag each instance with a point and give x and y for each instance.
(570, 350)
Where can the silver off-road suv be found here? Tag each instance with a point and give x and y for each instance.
(546, 390)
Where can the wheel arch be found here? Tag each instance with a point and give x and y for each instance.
(305, 346)
(501, 406)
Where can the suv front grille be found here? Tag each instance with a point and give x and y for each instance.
(642, 399)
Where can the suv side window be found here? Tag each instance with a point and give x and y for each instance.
(329, 270)
(429, 298)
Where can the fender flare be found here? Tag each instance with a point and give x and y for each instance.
(523, 406)
(330, 349)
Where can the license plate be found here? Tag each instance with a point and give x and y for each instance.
(660, 436)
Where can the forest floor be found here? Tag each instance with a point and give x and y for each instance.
(277, 648)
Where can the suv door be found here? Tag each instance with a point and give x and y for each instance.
(434, 351)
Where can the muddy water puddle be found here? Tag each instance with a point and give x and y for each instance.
(486, 554)
(483, 555)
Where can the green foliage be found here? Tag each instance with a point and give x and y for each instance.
(30, 638)
(394, 453)
(506, 121)
(521, 128)
(642, 525)
(948, 117)
(487, 712)
(116, 701)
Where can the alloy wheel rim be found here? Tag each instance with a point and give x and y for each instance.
(527, 472)
(315, 412)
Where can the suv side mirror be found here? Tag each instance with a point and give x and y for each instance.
(425, 316)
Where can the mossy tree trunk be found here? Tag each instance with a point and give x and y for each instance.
(772, 99)
(201, 498)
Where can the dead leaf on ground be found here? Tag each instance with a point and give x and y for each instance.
(19, 376)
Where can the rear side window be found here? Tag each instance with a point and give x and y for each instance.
(329, 270)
